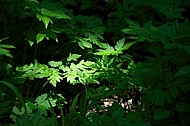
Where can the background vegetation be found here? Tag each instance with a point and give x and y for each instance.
(94, 62)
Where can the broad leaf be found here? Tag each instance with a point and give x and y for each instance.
(182, 107)
(157, 96)
(183, 71)
(161, 113)
(174, 92)
(46, 20)
(40, 37)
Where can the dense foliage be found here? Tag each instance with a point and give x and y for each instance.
(60, 60)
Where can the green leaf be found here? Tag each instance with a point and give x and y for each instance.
(73, 57)
(86, 44)
(157, 96)
(5, 52)
(51, 34)
(17, 93)
(128, 45)
(3, 39)
(4, 107)
(182, 107)
(54, 63)
(6, 46)
(183, 71)
(174, 92)
(56, 14)
(41, 99)
(30, 42)
(118, 114)
(55, 76)
(161, 113)
(40, 37)
(120, 44)
(81, 44)
(46, 20)
(168, 96)
(73, 109)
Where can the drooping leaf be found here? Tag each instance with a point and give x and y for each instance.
(5, 52)
(46, 20)
(40, 37)
(51, 34)
(30, 42)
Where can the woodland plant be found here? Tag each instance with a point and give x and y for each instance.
(59, 61)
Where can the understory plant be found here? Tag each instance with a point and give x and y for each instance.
(62, 61)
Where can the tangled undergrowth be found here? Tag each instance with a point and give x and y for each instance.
(94, 62)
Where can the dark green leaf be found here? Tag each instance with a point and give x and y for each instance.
(183, 71)
(157, 96)
(161, 113)
(17, 93)
(182, 107)
(174, 91)
(118, 114)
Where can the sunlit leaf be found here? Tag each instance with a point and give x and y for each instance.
(30, 42)
(81, 44)
(87, 44)
(120, 44)
(73, 57)
(40, 37)
(46, 20)
(54, 63)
